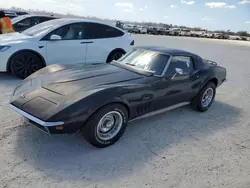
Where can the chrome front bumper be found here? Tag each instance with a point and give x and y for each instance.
(35, 121)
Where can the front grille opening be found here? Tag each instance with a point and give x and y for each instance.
(39, 126)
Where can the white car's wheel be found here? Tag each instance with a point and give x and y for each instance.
(115, 55)
(24, 64)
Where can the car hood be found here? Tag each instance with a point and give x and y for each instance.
(13, 38)
(55, 87)
(71, 80)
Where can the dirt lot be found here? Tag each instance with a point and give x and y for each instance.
(179, 149)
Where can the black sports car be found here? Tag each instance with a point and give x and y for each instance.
(99, 99)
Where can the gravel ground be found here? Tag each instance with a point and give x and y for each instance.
(180, 149)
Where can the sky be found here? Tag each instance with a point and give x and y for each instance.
(213, 15)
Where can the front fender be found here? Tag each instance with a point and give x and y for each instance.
(16, 51)
(82, 105)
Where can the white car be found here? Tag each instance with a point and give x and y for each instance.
(142, 29)
(61, 41)
(235, 37)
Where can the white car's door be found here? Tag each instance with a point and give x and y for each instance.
(102, 39)
(70, 49)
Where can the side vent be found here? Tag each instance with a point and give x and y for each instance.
(143, 108)
(132, 43)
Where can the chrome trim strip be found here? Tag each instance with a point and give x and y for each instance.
(161, 111)
(32, 118)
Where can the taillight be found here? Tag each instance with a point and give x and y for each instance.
(132, 43)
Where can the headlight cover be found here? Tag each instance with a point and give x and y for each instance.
(4, 48)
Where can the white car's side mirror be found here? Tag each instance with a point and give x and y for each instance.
(55, 37)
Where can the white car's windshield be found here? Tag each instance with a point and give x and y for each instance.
(146, 60)
(37, 31)
(17, 19)
(41, 28)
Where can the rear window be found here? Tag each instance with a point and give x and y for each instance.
(98, 31)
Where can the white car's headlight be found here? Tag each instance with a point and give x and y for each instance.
(4, 48)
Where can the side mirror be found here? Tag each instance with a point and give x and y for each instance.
(55, 37)
(177, 71)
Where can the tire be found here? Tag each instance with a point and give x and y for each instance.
(115, 55)
(92, 129)
(199, 102)
(24, 64)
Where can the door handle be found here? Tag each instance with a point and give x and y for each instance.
(87, 42)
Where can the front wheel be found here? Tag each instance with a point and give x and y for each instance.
(24, 64)
(205, 98)
(115, 55)
(106, 126)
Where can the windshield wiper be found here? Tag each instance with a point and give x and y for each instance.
(130, 64)
(125, 63)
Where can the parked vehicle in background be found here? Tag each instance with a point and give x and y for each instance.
(134, 29)
(161, 31)
(193, 33)
(20, 13)
(152, 31)
(13, 14)
(131, 28)
(127, 27)
(21, 23)
(235, 37)
(244, 38)
(196, 33)
(100, 100)
(225, 36)
(142, 29)
(185, 32)
(174, 31)
(10, 14)
(119, 24)
(206, 35)
(217, 35)
(63, 41)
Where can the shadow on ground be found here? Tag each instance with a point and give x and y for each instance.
(8, 79)
(65, 158)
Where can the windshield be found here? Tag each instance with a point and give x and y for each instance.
(17, 19)
(40, 29)
(145, 59)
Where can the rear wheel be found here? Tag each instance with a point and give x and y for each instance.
(115, 55)
(106, 126)
(205, 98)
(24, 64)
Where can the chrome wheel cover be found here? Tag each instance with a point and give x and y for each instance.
(109, 125)
(207, 97)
